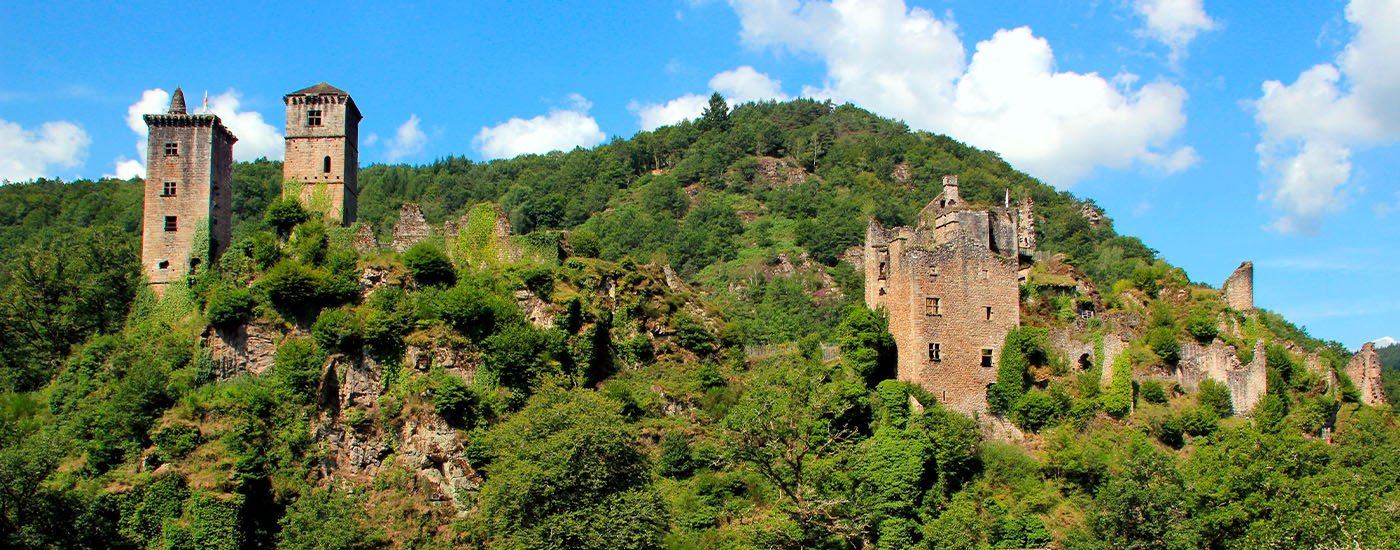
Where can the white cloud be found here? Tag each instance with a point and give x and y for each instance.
(741, 85)
(28, 154)
(651, 116)
(1385, 342)
(1174, 22)
(560, 129)
(1311, 127)
(407, 140)
(256, 138)
(1010, 97)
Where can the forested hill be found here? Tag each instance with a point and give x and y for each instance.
(670, 350)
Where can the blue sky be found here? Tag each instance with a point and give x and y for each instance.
(1217, 132)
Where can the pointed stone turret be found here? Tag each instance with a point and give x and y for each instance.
(1364, 370)
(177, 102)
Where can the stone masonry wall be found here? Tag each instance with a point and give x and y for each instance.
(1219, 362)
(411, 227)
(1239, 288)
(1364, 370)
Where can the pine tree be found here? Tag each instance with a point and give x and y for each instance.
(716, 114)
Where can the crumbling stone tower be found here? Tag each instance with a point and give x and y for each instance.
(951, 289)
(1239, 288)
(1364, 370)
(323, 150)
(187, 208)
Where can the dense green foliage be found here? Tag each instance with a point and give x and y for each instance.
(562, 388)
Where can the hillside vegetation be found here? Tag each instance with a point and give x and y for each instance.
(668, 351)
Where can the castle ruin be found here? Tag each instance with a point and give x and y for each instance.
(950, 285)
(323, 151)
(1239, 288)
(1364, 370)
(187, 203)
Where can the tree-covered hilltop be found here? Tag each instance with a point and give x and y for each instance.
(668, 351)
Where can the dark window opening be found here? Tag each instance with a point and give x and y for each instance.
(882, 271)
(935, 351)
(989, 312)
(163, 264)
(168, 190)
(172, 149)
(326, 165)
(932, 306)
(1084, 362)
(194, 265)
(170, 223)
(986, 357)
(313, 117)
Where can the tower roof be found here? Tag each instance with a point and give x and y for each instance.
(321, 89)
(177, 102)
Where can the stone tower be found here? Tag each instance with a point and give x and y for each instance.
(1239, 288)
(1364, 370)
(187, 207)
(951, 290)
(323, 150)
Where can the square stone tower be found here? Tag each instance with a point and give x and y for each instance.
(323, 150)
(950, 286)
(187, 208)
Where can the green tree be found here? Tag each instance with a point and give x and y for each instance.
(327, 520)
(1216, 397)
(285, 213)
(716, 114)
(568, 471)
(429, 265)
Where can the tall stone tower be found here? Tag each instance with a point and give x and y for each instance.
(187, 209)
(323, 150)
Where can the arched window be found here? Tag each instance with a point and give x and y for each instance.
(326, 165)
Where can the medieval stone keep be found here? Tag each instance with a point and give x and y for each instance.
(187, 204)
(951, 288)
(323, 150)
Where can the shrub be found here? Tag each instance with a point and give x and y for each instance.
(1153, 392)
(455, 402)
(1163, 342)
(1216, 397)
(175, 441)
(285, 213)
(1118, 400)
(691, 333)
(1199, 421)
(297, 366)
(584, 242)
(228, 306)
(429, 265)
(292, 284)
(677, 461)
(338, 330)
(1201, 326)
(1039, 409)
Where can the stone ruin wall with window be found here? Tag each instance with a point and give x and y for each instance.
(952, 293)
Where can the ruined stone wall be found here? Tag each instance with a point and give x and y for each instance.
(411, 227)
(333, 190)
(201, 170)
(1364, 370)
(1239, 288)
(1221, 363)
